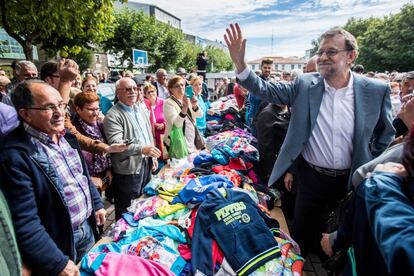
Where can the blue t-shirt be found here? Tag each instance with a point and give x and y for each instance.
(201, 121)
(104, 104)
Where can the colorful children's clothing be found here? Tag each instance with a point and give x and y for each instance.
(150, 248)
(241, 230)
(147, 207)
(196, 189)
(103, 264)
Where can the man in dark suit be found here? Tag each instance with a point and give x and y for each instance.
(339, 121)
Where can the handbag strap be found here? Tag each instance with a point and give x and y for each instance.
(190, 116)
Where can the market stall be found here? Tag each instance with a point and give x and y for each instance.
(206, 214)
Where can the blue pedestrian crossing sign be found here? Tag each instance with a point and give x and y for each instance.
(139, 58)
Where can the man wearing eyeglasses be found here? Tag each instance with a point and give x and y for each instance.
(23, 70)
(339, 122)
(128, 122)
(53, 202)
(49, 73)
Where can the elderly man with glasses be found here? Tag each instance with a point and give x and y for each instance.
(53, 202)
(339, 121)
(128, 122)
(23, 70)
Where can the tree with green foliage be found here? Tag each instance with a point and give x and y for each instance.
(124, 38)
(315, 46)
(170, 48)
(82, 55)
(166, 45)
(385, 43)
(358, 26)
(218, 59)
(132, 29)
(191, 52)
(55, 24)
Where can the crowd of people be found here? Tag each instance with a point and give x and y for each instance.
(322, 134)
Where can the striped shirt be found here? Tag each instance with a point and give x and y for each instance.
(67, 163)
(142, 132)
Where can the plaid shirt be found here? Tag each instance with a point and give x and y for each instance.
(69, 170)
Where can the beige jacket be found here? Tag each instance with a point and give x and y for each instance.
(172, 117)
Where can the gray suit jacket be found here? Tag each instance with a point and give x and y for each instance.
(391, 154)
(373, 121)
(118, 128)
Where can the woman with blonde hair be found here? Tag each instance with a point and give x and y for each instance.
(197, 85)
(90, 84)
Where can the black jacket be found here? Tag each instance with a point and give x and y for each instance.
(271, 127)
(40, 215)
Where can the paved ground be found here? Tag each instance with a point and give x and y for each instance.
(313, 266)
(110, 216)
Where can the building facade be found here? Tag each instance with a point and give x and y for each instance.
(279, 63)
(159, 14)
(11, 50)
(203, 42)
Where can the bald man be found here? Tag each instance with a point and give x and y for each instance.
(311, 65)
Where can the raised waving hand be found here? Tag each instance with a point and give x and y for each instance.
(237, 46)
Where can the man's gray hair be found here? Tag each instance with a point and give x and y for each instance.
(160, 71)
(117, 84)
(296, 73)
(409, 75)
(24, 63)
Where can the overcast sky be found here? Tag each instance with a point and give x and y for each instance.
(294, 23)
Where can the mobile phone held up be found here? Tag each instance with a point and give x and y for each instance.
(189, 91)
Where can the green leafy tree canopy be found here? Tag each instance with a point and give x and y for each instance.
(386, 43)
(166, 46)
(218, 59)
(55, 24)
(135, 30)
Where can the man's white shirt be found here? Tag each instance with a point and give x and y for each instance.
(330, 144)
